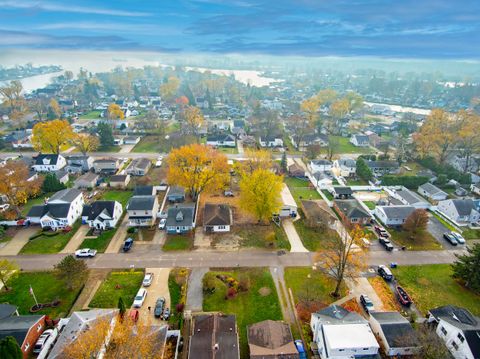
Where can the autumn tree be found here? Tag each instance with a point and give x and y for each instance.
(114, 113)
(40, 107)
(313, 150)
(466, 267)
(260, 193)
(90, 342)
(300, 126)
(15, 186)
(266, 122)
(48, 137)
(254, 160)
(416, 222)
(7, 269)
(13, 98)
(169, 89)
(332, 147)
(85, 142)
(342, 257)
(71, 271)
(54, 110)
(468, 138)
(198, 168)
(193, 120)
(326, 96)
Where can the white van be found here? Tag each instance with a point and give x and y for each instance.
(140, 298)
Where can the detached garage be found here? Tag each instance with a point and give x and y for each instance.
(289, 206)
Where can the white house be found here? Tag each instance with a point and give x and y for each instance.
(459, 329)
(102, 214)
(432, 192)
(142, 210)
(360, 140)
(340, 334)
(271, 141)
(48, 163)
(321, 179)
(460, 211)
(475, 188)
(221, 141)
(60, 211)
(346, 166)
(408, 198)
(320, 166)
(217, 218)
(289, 206)
(393, 215)
(395, 333)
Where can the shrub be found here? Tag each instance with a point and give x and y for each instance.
(231, 293)
(131, 230)
(180, 307)
(208, 283)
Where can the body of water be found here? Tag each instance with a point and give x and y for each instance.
(403, 109)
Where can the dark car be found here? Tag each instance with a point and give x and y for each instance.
(386, 243)
(366, 303)
(158, 311)
(450, 238)
(128, 244)
(385, 272)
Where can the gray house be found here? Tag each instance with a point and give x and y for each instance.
(88, 180)
(176, 194)
(180, 219)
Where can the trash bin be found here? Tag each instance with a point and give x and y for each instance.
(393, 265)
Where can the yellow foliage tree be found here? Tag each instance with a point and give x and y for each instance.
(326, 96)
(310, 107)
(49, 136)
(198, 168)
(468, 138)
(255, 159)
(193, 120)
(85, 142)
(114, 112)
(260, 193)
(169, 89)
(13, 98)
(55, 108)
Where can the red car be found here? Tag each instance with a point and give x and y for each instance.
(381, 231)
(403, 296)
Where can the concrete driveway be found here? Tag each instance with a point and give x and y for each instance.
(361, 286)
(293, 237)
(15, 245)
(195, 290)
(119, 237)
(437, 229)
(159, 288)
(76, 240)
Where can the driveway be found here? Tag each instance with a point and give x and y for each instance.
(76, 240)
(126, 148)
(15, 245)
(293, 237)
(360, 286)
(437, 229)
(119, 237)
(158, 289)
(195, 290)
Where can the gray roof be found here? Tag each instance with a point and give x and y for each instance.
(18, 326)
(457, 316)
(7, 310)
(140, 163)
(398, 211)
(397, 329)
(361, 138)
(143, 191)
(55, 210)
(94, 209)
(176, 191)
(351, 208)
(347, 162)
(335, 314)
(431, 189)
(141, 203)
(383, 164)
(180, 215)
(52, 157)
(88, 177)
(65, 195)
(118, 178)
(322, 163)
(273, 335)
(343, 190)
(464, 206)
(410, 197)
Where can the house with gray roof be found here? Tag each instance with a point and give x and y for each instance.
(360, 140)
(48, 162)
(460, 211)
(432, 192)
(394, 216)
(176, 194)
(139, 167)
(271, 339)
(87, 180)
(142, 210)
(408, 198)
(380, 168)
(108, 165)
(221, 140)
(217, 217)
(351, 212)
(180, 219)
(347, 167)
(102, 214)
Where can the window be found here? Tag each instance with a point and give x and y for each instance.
(443, 330)
(460, 336)
(455, 345)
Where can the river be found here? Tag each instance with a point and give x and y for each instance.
(403, 109)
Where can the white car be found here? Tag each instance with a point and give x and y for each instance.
(140, 298)
(162, 223)
(86, 252)
(4, 207)
(458, 237)
(41, 341)
(147, 280)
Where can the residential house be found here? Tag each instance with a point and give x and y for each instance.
(119, 181)
(289, 206)
(339, 334)
(380, 168)
(79, 163)
(105, 165)
(318, 214)
(396, 334)
(48, 163)
(60, 211)
(393, 215)
(321, 179)
(118, 140)
(432, 192)
(19, 139)
(87, 180)
(180, 219)
(351, 212)
(142, 210)
(347, 167)
(225, 140)
(271, 141)
(131, 140)
(176, 194)
(460, 191)
(459, 329)
(309, 140)
(475, 188)
(460, 211)
(238, 127)
(217, 218)
(77, 324)
(295, 170)
(25, 329)
(271, 339)
(409, 198)
(102, 214)
(342, 192)
(139, 167)
(249, 141)
(360, 140)
(145, 191)
(320, 166)
(62, 176)
(214, 336)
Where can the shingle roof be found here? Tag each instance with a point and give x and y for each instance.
(397, 211)
(140, 163)
(270, 338)
(65, 195)
(335, 314)
(53, 159)
(431, 189)
(18, 326)
(118, 178)
(88, 177)
(143, 191)
(410, 197)
(176, 191)
(7, 310)
(343, 190)
(351, 208)
(464, 206)
(141, 203)
(217, 215)
(180, 215)
(94, 209)
(383, 164)
(396, 328)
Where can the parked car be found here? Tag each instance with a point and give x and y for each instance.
(458, 237)
(128, 244)
(134, 314)
(147, 280)
(228, 193)
(403, 296)
(366, 303)
(450, 238)
(381, 231)
(166, 314)
(385, 272)
(159, 304)
(162, 223)
(386, 243)
(39, 345)
(301, 349)
(140, 298)
(4, 207)
(85, 252)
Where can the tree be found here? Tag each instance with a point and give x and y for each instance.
(254, 160)
(363, 171)
(260, 193)
(342, 257)
(54, 110)
(71, 271)
(466, 267)
(193, 120)
(198, 168)
(68, 75)
(313, 150)
(9, 348)
(300, 126)
(326, 96)
(90, 342)
(332, 147)
(169, 89)
(121, 306)
(114, 113)
(430, 345)
(151, 122)
(84, 142)
(416, 222)
(468, 138)
(283, 163)
(7, 268)
(49, 136)
(51, 183)
(105, 134)
(13, 98)
(40, 107)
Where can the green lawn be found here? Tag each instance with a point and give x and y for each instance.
(149, 144)
(228, 150)
(313, 238)
(120, 196)
(46, 287)
(91, 115)
(370, 204)
(178, 242)
(112, 148)
(33, 202)
(344, 146)
(117, 284)
(101, 242)
(327, 194)
(176, 281)
(49, 244)
(424, 241)
(471, 233)
(431, 286)
(259, 303)
(357, 182)
(259, 236)
(300, 189)
(414, 167)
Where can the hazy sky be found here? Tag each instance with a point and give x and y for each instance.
(444, 29)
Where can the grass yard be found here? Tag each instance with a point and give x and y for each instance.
(118, 284)
(178, 242)
(470, 233)
(112, 148)
(431, 286)
(327, 194)
(120, 196)
(228, 150)
(90, 115)
(390, 303)
(259, 303)
(147, 234)
(424, 241)
(313, 238)
(177, 287)
(344, 146)
(49, 244)
(356, 182)
(100, 243)
(300, 189)
(370, 204)
(33, 202)
(46, 287)
(414, 169)
(259, 236)
(149, 144)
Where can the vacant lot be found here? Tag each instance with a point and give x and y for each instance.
(431, 286)
(118, 284)
(301, 189)
(261, 236)
(423, 241)
(178, 242)
(313, 238)
(49, 242)
(344, 146)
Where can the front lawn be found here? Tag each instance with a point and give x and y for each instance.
(228, 150)
(313, 238)
(260, 236)
(149, 144)
(344, 146)
(178, 242)
(117, 284)
(423, 242)
(370, 204)
(46, 287)
(100, 243)
(177, 280)
(91, 115)
(120, 196)
(301, 189)
(327, 194)
(431, 286)
(260, 302)
(50, 242)
(471, 233)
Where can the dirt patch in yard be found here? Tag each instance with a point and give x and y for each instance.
(227, 241)
(264, 291)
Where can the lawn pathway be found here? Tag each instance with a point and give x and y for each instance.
(15, 245)
(195, 290)
(94, 280)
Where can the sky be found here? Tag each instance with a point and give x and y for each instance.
(417, 29)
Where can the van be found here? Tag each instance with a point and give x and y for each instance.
(140, 298)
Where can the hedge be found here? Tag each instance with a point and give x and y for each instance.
(448, 170)
(411, 182)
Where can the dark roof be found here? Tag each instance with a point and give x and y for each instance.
(176, 191)
(180, 215)
(65, 195)
(7, 310)
(338, 314)
(383, 164)
(322, 162)
(56, 210)
(361, 138)
(457, 316)
(215, 138)
(431, 189)
(89, 177)
(140, 163)
(18, 326)
(94, 209)
(473, 340)
(106, 160)
(396, 328)
(270, 334)
(464, 206)
(351, 208)
(343, 190)
(217, 215)
(39, 159)
(118, 178)
(141, 203)
(143, 191)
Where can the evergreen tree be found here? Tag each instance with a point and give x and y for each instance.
(363, 171)
(466, 267)
(105, 133)
(9, 349)
(52, 184)
(283, 163)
